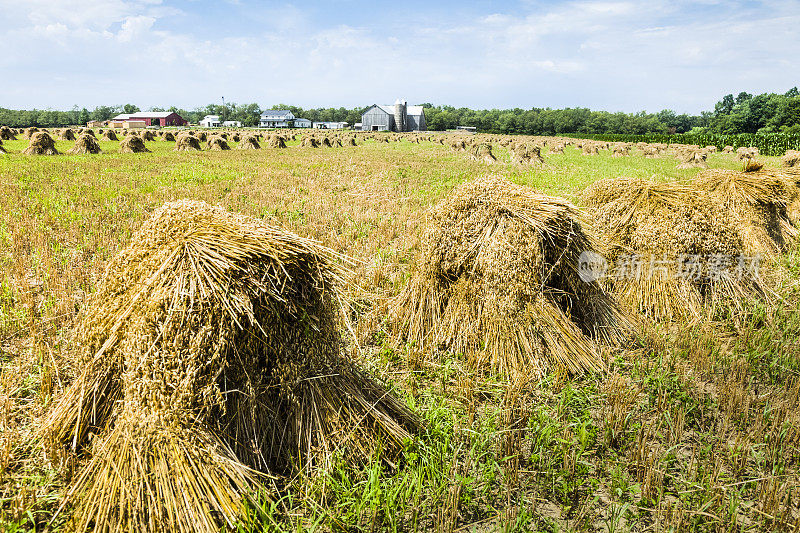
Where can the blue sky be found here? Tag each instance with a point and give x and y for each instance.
(603, 54)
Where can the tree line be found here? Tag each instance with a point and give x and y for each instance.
(744, 113)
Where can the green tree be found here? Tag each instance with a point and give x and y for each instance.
(725, 106)
(103, 113)
(743, 97)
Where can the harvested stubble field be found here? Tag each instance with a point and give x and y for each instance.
(691, 426)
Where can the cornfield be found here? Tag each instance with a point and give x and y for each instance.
(771, 144)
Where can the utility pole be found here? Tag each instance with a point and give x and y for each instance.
(223, 109)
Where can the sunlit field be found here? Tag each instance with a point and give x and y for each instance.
(690, 427)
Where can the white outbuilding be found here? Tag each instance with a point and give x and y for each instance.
(210, 121)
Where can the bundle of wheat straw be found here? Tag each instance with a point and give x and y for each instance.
(132, 144)
(211, 356)
(756, 204)
(498, 279)
(86, 144)
(679, 246)
(41, 144)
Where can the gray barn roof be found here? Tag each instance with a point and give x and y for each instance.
(276, 113)
(414, 110)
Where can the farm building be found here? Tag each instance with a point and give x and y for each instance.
(119, 121)
(152, 118)
(95, 124)
(232, 124)
(276, 118)
(330, 125)
(302, 123)
(126, 122)
(210, 121)
(397, 117)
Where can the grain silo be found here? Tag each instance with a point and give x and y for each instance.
(400, 115)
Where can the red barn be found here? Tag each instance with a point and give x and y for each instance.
(154, 118)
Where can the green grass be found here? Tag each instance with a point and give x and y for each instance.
(692, 428)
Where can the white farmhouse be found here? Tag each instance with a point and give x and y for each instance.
(276, 118)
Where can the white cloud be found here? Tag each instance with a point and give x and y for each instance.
(134, 26)
(604, 54)
(75, 14)
(559, 66)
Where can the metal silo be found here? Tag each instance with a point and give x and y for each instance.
(400, 115)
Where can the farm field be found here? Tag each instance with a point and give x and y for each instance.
(691, 427)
